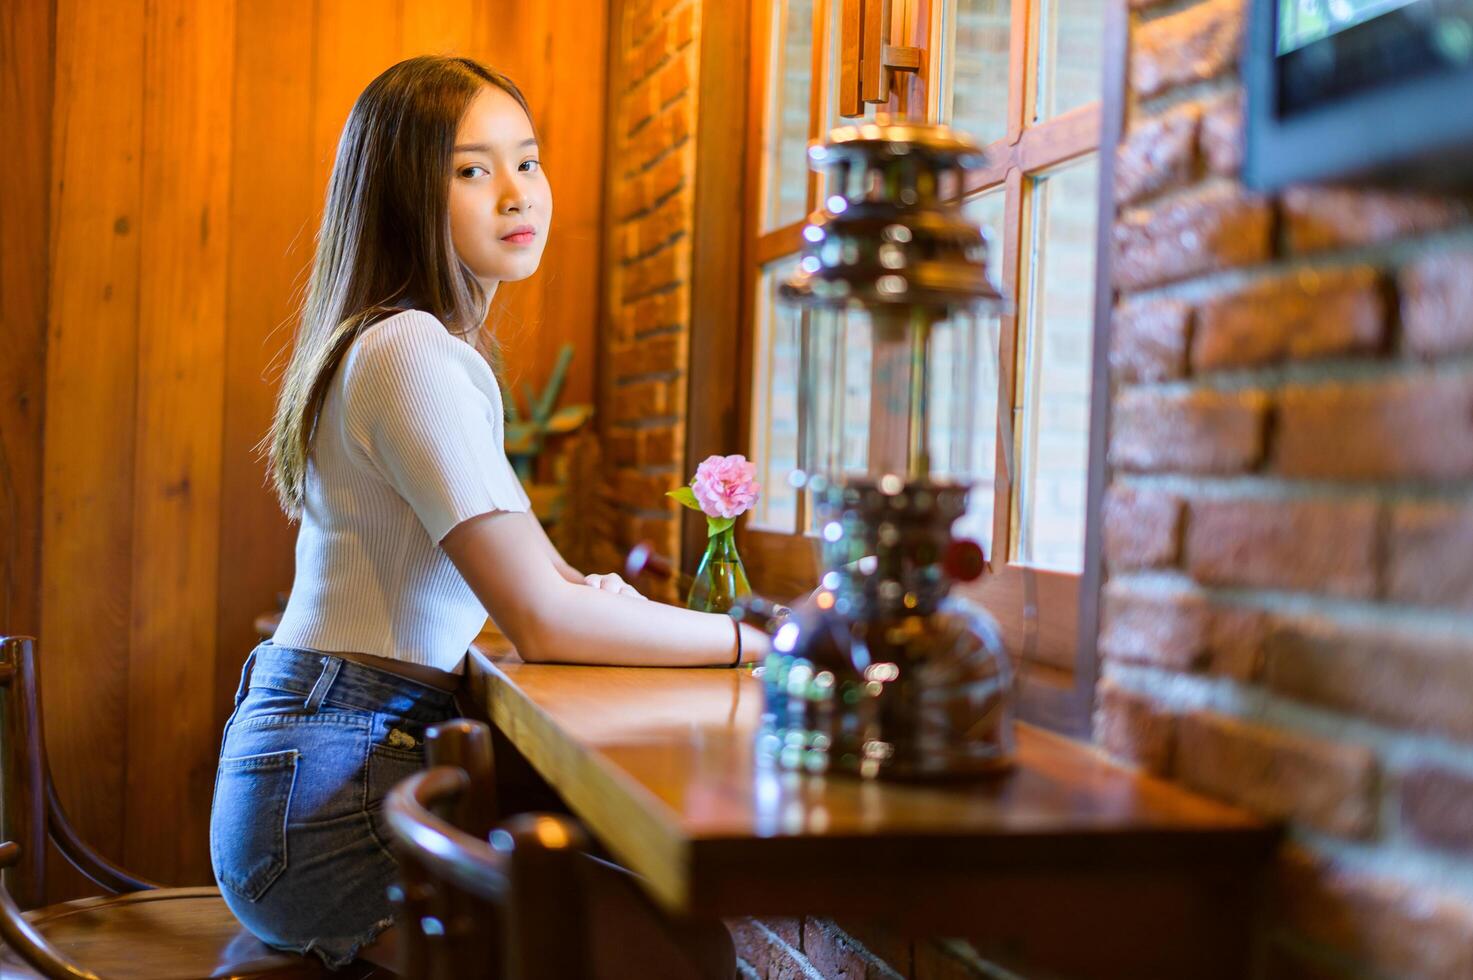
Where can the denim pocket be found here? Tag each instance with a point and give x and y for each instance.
(248, 820)
(387, 767)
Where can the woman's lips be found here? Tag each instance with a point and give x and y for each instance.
(521, 236)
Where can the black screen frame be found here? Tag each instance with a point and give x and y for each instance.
(1408, 130)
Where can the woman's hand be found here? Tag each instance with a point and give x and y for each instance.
(611, 582)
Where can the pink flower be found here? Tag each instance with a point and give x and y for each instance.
(725, 486)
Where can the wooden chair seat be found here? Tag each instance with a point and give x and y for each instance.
(160, 934)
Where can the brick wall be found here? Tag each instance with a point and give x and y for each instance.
(1288, 614)
(647, 275)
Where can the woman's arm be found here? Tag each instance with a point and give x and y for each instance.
(609, 582)
(550, 619)
(567, 571)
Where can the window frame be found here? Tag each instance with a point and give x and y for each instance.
(1044, 614)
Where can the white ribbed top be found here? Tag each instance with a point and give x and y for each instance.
(409, 443)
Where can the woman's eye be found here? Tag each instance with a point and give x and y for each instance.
(531, 166)
(470, 172)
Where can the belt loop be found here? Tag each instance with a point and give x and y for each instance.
(245, 677)
(330, 668)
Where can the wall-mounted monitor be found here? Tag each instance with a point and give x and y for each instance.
(1359, 89)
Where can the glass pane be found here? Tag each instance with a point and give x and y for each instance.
(1070, 55)
(775, 401)
(1053, 431)
(839, 345)
(785, 134)
(980, 429)
(974, 67)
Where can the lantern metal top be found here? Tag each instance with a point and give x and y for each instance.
(890, 232)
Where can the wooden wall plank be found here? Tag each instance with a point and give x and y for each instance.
(188, 78)
(573, 151)
(272, 205)
(356, 40)
(87, 537)
(444, 27)
(25, 107)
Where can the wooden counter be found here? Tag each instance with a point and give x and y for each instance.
(659, 764)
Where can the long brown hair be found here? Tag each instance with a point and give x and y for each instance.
(384, 239)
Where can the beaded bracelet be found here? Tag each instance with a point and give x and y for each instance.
(737, 625)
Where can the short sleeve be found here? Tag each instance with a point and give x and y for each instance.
(424, 407)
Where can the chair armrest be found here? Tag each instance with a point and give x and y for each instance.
(23, 938)
(82, 857)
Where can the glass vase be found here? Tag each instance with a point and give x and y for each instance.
(721, 579)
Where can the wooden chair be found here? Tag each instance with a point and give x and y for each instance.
(139, 929)
(522, 899)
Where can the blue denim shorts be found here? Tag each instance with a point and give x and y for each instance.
(298, 839)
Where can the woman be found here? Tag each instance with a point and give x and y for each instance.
(387, 445)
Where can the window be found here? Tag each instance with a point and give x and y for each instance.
(1022, 78)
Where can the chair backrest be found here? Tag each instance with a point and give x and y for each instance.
(22, 771)
(30, 812)
(474, 904)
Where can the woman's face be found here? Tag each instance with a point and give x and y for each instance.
(500, 201)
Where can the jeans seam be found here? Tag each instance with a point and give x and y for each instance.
(363, 804)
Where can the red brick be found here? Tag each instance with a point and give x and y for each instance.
(664, 352)
(1148, 340)
(1317, 218)
(668, 175)
(1196, 44)
(619, 447)
(1221, 134)
(1327, 785)
(1142, 528)
(660, 447)
(1168, 631)
(1218, 227)
(661, 534)
(667, 267)
(1235, 641)
(639, 108)
(674, 78)
(642, 20)
(1437, 807)
(766, 955)
(1182, 631)
(1131, 726)
(644, 490)
(1437, 303)
(664, 223)
(1302, 545)
(1405, 678)
(1312, 313)
(1158, 154)
(1197, 432)
(834, 954)
(1388, 927)
(642, 400)
(660, 311)
(680, 29)
(679, 121)
(1410, 427)
(1430, 555)
(631, 197)
(624, 360)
